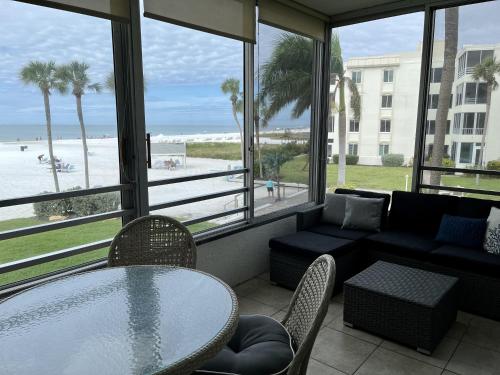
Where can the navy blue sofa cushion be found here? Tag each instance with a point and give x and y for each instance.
(473, 261)
(337, 231)
(419, 213)
(312, 244)
(260, 346)
(462, 231)
(413, 245)
(370, 194)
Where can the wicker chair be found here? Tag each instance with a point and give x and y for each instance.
(153, 240)
(307, 310)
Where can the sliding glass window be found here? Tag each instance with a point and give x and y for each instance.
(284, 80)
(470, 60)
(373, 141)
(59, 163)
(194, 106)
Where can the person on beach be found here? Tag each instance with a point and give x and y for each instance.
(270, 188)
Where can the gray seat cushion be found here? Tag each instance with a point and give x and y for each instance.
(337, 231)
(312, 244)
(260, 346)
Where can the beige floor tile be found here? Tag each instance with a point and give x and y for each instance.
(318, 368)
(250, 306)
(279, 315)
(271, 295)
(386, 362)
(439, 358)
(264, 276)
(457, 330)
(464, 317)
(338, 324)
(470, 359)
(340, 351)
(335, 310)
(339, 298)
(483, 332)
(250, 286)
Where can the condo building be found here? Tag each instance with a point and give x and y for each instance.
(388, 87)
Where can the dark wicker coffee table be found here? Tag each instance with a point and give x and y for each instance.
(404, 304)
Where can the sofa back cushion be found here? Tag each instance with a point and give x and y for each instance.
(475, 208)
(370, 194)
(418, 212)
(462, 231)
(363, 213)
(334, 210)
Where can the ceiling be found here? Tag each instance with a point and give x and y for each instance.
(334, 7)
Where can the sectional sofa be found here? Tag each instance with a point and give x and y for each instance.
(407, 237)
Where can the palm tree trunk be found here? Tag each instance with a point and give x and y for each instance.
(235, 115)
(447, 79)
(483, 138)
(49, 139)
(84, 140)
(342, 135)
(259, 155)
(278, 183)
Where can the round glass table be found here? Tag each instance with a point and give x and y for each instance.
(123, 320)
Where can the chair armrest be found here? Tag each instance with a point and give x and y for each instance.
(309, 217)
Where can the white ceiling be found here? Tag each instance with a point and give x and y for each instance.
(334, 7)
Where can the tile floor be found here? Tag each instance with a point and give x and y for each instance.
(471, 347)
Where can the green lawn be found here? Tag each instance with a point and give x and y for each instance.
(215, 150)
(41, 243)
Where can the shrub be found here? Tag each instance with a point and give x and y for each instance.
(393, 160)
(78, 206)
(294, 148)
(493, 165)
(446, 162)
(349, 159)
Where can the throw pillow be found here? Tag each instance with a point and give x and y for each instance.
(334, 210)
(363, 213)
(492, 239)
(462, 231)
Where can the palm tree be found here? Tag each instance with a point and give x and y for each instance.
(486, 71)
(260, 121)
(447, 79)
(75, 73)
(231, 87)
(43, 76)
(273, 161)
(341, 80)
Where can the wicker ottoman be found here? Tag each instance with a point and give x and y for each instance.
(407, 305)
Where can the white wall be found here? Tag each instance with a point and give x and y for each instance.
(243, 255)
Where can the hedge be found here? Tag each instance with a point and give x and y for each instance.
(78, 206)
(393, 160)
(493, 165)
(349, 159)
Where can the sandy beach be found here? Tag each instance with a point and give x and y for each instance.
(22, 174)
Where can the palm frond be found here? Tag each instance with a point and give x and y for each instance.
(355, 98)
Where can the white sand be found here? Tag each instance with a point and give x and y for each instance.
(21, 174)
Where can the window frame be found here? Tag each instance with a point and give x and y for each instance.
(388, 101)
(384, 125)
(390, 74)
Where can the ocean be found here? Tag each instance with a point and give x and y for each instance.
(11, 133)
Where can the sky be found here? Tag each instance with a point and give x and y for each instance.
(183, 68)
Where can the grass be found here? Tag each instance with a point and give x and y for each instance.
(214, 150)
(42, 243)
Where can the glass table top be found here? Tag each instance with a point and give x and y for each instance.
(124, 320)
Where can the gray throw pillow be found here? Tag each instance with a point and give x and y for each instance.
(334, 210)
(363, 213)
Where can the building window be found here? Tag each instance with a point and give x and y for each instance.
(470, 59)
(436, 74)
(383, 149)
(468, 126)
(356, 77)
(431, 127)
(456, 123)
(453, 154)
(475, 93)
(432, 101)
(331, 124)
(459, 95)
(481, 117)
(354, 126)
(385, 126)
(388, 76)
(448, 126)
(353, 149)
(386, 101)
(466, 152)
